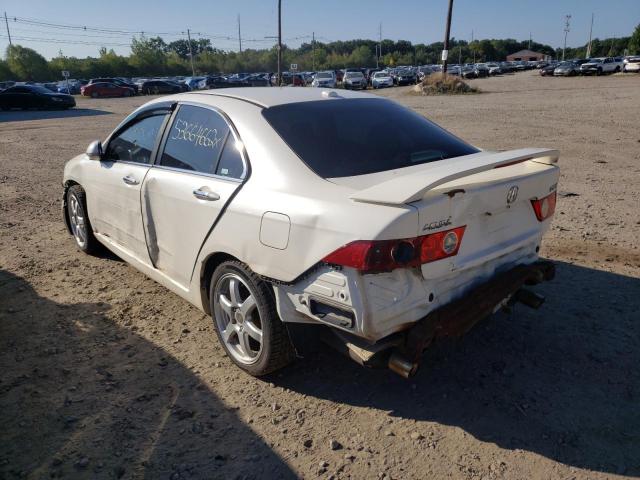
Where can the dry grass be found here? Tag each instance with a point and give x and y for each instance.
(439, 84)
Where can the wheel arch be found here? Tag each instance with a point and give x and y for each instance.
(209, 265)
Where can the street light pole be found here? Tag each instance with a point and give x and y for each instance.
(566, 30)
(193, 70)
(279, 42)
(445, 51)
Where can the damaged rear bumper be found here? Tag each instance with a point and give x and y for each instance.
(401, 352)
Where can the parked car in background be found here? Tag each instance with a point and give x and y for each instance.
(354, 81)
(192, 82)
(405, 77)
(326, 79)
(494, 68)
(383, 227)
(34, 96)
(116, 81)
(155, 87)
(566, 69)
(71, 88)
(257, 80)
(6, 84)
(598, 66)
(631, 64)
(481, 70)
(547, 71)
(105, 89)
(381, 80)
(215, 81)
(181, 85)
(369, 72)
(468, 71)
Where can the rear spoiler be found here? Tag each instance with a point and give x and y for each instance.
(411, 187)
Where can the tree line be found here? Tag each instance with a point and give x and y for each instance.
(155, 57)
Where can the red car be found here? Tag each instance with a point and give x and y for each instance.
(104, 89)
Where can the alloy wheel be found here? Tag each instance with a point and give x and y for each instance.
(77, 220)
(237, 318)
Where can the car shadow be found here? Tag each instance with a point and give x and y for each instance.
(25, 115)
(81, 397)
(562, 381)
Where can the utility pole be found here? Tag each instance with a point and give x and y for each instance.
(7, 24)
(313, 51)
(279, 42)
(380, 40)
(529, 40)
(193, 70)
(589, 45)
(377, 58)
(474, 48)
(566, 30)
(445, 51)
(239, 37)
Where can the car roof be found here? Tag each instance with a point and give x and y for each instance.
(272, 96)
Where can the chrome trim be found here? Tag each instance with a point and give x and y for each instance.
(199, 174)
(204, 195)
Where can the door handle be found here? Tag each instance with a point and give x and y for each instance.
(129, 180)
(201, 194)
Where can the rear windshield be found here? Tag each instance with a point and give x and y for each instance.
(347, 137)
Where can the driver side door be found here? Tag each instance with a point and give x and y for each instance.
(114, 202)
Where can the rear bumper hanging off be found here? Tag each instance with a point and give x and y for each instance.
(457, 317)
(401, 352)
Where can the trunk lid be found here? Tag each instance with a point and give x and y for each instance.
(488, 192)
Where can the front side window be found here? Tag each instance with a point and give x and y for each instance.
(136, 142)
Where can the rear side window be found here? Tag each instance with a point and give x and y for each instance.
(347, 137)
(196, 139)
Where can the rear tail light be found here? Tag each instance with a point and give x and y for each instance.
(544, 207)
(375, 256)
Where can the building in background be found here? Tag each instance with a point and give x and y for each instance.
(526, 55)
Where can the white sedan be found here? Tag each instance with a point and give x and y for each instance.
(271, 207)
(381, 79)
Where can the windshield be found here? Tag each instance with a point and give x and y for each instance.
(38, 89)
(346, 137)
(380, 75)
(595, 60)
(324, 75)
(353, 75)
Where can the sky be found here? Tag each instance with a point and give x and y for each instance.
(417, 21)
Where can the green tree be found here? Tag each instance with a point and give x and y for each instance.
(148, 55)
(27, 64)
(5, 71)
(634, 42)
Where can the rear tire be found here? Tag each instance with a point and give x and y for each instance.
(79, 221)
(246, 320)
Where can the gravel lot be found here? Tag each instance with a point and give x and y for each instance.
(105, 374)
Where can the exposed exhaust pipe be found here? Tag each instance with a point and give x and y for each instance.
(529, 298)
(403, 367)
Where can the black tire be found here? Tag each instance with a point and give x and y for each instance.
(90, 246)
(276, 350)
(617, 69)
(599, 72)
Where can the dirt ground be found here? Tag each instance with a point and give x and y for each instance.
(105, 374)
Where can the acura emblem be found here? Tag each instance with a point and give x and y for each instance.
(512, 195)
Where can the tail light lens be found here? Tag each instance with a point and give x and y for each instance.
(375, 256)
(544, 207)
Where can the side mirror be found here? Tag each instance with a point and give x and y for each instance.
(94, 150)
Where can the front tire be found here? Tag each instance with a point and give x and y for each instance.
(246, 320)
(79, 221)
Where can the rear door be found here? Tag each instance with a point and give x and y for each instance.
(196, 174)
